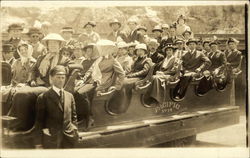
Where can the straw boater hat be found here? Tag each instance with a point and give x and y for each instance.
(91, 23)
(232, 40)
(206, 41)
(141, 28)
(157, 28)
(179, 41)
(141, 46)
(165, 26)
(67, 29)
(153, 41)
(215, 42)
(115, 21)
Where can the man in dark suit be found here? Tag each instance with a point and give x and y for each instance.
(56, 120)
(193, 62)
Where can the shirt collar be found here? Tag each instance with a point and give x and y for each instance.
(57, 90)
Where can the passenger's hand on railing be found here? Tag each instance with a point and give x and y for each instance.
(112, 88)
(79, 83)
(33, 83)
(39, 146)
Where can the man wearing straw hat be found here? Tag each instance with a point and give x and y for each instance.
(116, 34)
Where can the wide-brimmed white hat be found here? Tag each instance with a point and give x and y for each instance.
(141, 46)
(106, 47)
(53, 36)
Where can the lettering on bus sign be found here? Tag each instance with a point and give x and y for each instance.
(169, 107)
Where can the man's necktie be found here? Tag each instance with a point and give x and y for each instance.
(62, 98)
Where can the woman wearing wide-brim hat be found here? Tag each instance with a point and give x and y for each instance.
(89, 36)
(40, 72)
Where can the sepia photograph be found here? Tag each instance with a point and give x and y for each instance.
(124, 79)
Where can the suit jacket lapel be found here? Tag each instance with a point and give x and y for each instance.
(55, 98)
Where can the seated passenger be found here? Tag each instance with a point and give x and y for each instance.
(131, 50)
(105, 73)
(155, 56)
(179, 48)
(77, 56)
(167, 72)
(141, 66)
(217, 68)
(22, 66)
(206, 47)
(233, 55)
(193, 63)
(123, 58)
(40, 71)
(90, 54)
(67, 51)
(38, 48)
(8, 53)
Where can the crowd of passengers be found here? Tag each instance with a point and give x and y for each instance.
(109, 63)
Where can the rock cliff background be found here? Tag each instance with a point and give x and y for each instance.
(201, 19)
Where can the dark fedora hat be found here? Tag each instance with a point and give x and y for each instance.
(15, 26)
(168, 45)
(8, 47)
(191, 40)
(34, 30)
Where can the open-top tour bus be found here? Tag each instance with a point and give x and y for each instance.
(137, 121)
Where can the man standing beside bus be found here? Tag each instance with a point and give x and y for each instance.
(56, 120)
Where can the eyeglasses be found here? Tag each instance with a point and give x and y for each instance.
(35, 36)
